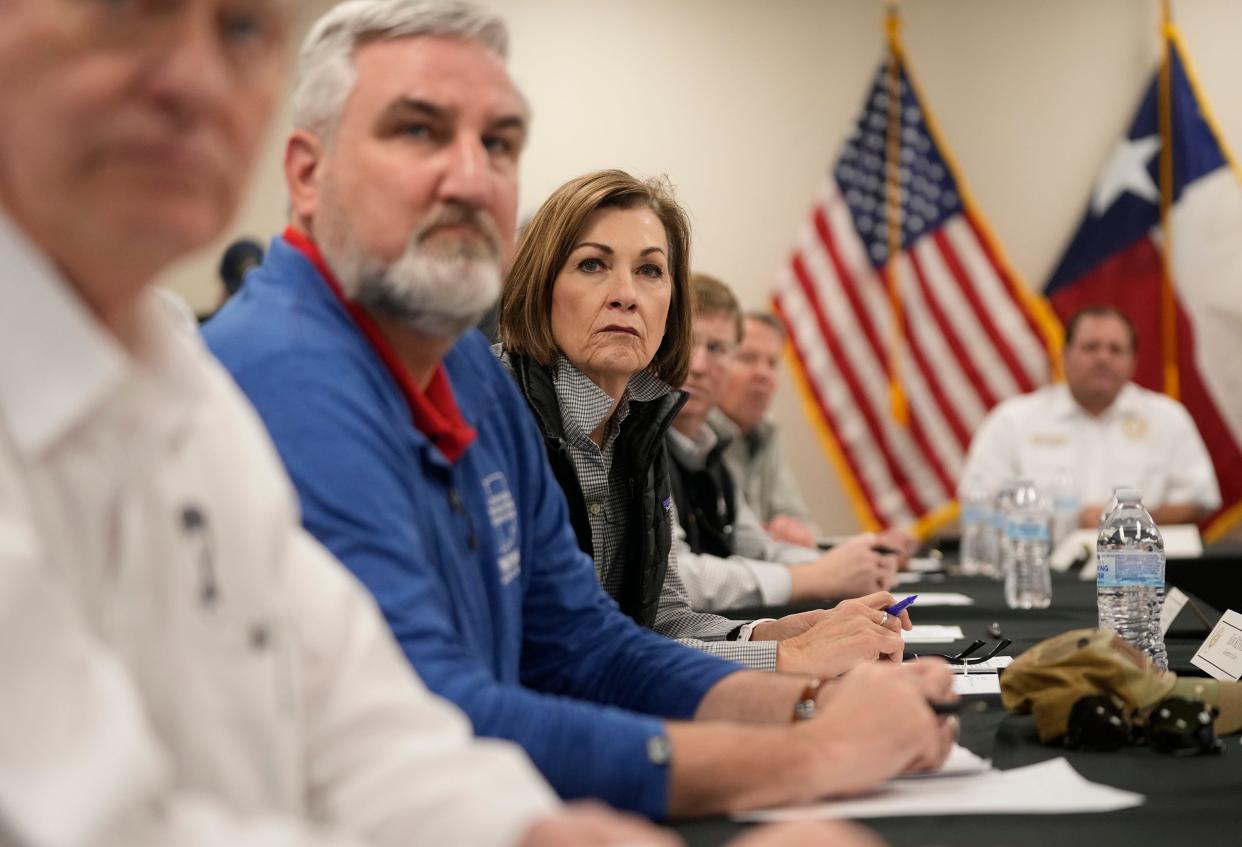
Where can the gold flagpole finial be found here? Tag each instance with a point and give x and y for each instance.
(892, 22)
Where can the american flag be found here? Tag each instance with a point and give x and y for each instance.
(971, 333)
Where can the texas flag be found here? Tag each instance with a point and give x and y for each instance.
(1116, 258)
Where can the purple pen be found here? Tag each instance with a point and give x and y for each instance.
(900, 606)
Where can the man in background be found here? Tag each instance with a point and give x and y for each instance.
(1099, 429)
(754, 455)
(725, 557)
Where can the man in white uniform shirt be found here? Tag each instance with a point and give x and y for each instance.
(1100, 429)
(180, 663)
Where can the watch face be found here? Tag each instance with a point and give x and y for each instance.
(659, 751)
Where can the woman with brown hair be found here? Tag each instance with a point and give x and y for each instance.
(595, 326)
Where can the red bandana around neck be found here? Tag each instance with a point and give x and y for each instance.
(433, 411)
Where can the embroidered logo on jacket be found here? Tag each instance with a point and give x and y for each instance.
(502, 511)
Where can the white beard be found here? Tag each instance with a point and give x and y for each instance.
(440, 287)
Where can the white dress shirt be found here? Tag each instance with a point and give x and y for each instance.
(758, 575)
(1143, 439)
(179, 662)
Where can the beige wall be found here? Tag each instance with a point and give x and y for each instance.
(744, 105)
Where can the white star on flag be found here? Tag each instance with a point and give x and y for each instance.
(1127, 171)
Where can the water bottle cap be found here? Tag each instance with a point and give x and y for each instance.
(1129, 495)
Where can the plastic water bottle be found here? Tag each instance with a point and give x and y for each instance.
(1001, 506)
(977, 533)
(1111, 506)
(1129, 580)
(1028, 532)
(1065, 505)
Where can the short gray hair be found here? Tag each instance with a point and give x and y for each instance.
(326, 75)
(769, 320)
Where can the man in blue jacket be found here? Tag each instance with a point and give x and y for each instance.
(418, 466)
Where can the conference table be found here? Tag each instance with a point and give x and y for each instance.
(1189, 801)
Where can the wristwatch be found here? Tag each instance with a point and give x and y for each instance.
(804, 708)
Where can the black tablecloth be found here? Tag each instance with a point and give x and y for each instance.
(1195, 801)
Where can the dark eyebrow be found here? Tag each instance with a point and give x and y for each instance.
(403, 105)
(412, 104)
(517, 122)
(606, 249)
(601, 247)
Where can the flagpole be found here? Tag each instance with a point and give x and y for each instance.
(1168, 300)
(892, 209)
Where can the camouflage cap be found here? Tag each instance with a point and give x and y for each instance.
(1052, 676)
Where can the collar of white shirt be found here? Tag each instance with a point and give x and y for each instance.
(58, 364)
(1065, 407)
(693, 451)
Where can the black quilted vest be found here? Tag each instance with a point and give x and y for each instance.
(640, 461)
(706, 503)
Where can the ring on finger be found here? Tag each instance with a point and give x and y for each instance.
(884, 618)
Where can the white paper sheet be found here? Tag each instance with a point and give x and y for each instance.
(976, 683)
(909, 578)
(1051, 787)
(942, 598)
(932, 634)
(925, 564)
(960, 762)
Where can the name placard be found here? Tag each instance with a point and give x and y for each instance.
(1174, 602)
(1221, 654)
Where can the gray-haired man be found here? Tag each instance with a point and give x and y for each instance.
(418, 463)
(179, 662)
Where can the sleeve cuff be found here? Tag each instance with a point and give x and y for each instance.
(745, 630)
(792, 554)
(775, 583)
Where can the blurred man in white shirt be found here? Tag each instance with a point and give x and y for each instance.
(1100, 430)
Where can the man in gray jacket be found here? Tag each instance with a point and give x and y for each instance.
(754, 456)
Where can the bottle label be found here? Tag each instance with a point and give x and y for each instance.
(1019, 529)
(972, 513)
(1065, 503)
(1134, 568)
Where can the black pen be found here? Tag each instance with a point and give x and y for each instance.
(946, 708)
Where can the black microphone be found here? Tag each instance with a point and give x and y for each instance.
(242, 257)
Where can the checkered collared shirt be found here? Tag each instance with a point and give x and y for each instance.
(584, 407)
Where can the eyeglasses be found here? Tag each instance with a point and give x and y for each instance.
(1176, 726)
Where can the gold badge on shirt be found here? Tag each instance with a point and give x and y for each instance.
(1133, 427)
